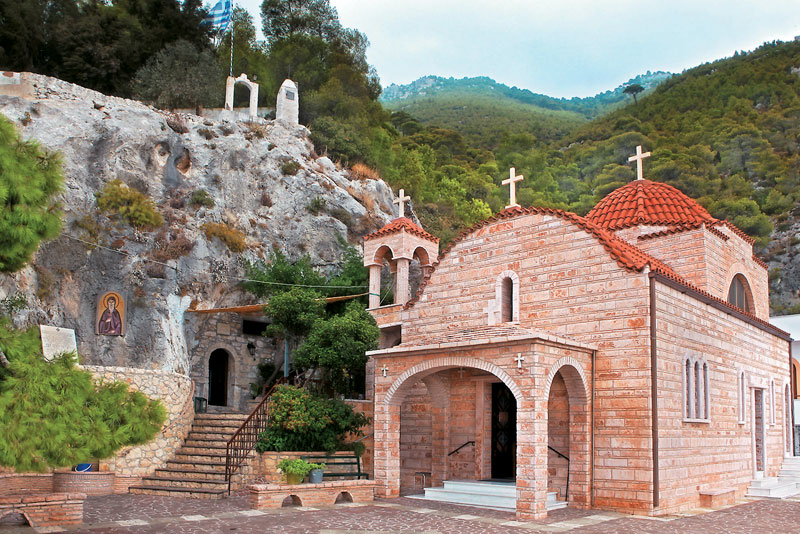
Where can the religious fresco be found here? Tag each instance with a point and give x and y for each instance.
(110, 317)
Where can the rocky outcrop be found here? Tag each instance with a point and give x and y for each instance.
(265, 182)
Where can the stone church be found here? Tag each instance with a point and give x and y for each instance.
(622, 360)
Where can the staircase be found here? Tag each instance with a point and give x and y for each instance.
(786, 484)
(483, 494)
(198, 468)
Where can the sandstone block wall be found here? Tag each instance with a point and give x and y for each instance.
(176, 392)
(697, 457)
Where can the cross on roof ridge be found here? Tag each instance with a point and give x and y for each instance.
(638, 158)
(512, 179)
(401, 201)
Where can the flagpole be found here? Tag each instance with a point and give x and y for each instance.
(232, 27)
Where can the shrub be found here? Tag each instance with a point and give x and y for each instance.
(297, 466)
(290, 167)
(207, 133)
(266, 200)
(359, 171)
(316, 205)
(177, 124)
(137, 209)
(301, 421)
(202, 198)
(233, 238)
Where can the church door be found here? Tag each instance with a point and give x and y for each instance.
(504, 432)
(218, 378)
(758, 430)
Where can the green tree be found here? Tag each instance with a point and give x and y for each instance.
(633, 90)
(337, 347)
(286, 18)
(181, 75)
(30, 179)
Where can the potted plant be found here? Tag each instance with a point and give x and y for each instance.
(296, 470)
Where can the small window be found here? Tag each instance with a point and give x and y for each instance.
(696, 390)
(253, 328)
(505, 306)
(289, 95)
(507, 301)
(739, 293)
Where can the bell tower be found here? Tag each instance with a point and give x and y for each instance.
(398, 243)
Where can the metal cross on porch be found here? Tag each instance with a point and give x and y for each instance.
(511, 181)
(385, 369)
(519, 359)
(638, 158)
(401, 202)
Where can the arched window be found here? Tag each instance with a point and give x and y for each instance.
(696, 390)
(505, 308)
(739, 293)
(742, 406)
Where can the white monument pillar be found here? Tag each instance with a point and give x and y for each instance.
(287, 105)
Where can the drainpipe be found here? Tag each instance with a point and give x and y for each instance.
(591, 437)
(654, 386)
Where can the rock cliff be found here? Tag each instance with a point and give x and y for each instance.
(264, 180)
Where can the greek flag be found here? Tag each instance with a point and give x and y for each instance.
(219, 16)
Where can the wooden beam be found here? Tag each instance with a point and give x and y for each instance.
(256, 308)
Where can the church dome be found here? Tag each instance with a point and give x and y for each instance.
(647, 203)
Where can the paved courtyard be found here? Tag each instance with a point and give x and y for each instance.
(148, 514)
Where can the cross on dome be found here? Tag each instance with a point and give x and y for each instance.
(638, 159)
(401, 202)
(511, 181)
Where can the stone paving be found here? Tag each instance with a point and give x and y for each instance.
(151, 514)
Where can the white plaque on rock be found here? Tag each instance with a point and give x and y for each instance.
(57, 341)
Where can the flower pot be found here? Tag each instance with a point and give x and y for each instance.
(315, 476)
(293, 478)
(83, 468)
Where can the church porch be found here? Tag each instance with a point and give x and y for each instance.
(494, 408)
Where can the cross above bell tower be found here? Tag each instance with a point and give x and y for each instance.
(638, 158)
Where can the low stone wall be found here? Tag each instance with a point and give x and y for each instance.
(177, 393)
(265, 465)
(46, 510)
(324, 494)
(90, 482)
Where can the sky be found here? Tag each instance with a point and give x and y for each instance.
(561, 48)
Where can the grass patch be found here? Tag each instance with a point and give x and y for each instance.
(135, 208)
(234, 239)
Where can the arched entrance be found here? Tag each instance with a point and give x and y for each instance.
(218, 378)
(568, 429)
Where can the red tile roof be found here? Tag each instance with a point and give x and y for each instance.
(402, 223)
(643, 202)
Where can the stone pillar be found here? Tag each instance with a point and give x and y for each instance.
(401, 281)
(531, 463)
(386, 425)
(229, 83)
(374, 286)
(287, 107)
(253, 100)
(440, 439)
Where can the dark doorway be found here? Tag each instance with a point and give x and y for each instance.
(758, 430)
(504, 432)
(218, 378)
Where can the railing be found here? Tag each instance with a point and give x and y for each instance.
(451, 453)
(245, 437)
(566, 490)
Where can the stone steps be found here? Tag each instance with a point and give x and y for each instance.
(197, 469)
(484, 494)
(773, 487)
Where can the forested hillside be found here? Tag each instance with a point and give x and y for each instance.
(483, 111)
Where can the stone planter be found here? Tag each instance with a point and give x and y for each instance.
(90, 483)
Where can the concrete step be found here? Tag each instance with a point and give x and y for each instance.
(471, 498)
(219, 428)
(204, 474)
(227, 416)
(207, 465)
(212, 435)
(772, 487)
(213, 457)
(193, 442)
(180, 482)
(203, 450)
(194, 493)
(499, 489)
(789, 472)
(552, 501)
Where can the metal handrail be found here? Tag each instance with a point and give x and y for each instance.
(461, 447)
(566, 490)
(246, 436)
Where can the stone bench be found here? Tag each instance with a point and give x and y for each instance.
(717, 498)
(324, 494)
(45, 509)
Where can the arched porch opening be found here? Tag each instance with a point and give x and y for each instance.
(568, 436)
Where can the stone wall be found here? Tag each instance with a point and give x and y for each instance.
(19, 483)
(176, 392)
(325, 494)
(415, 439)
(224, 331)
(718, 454)
(45, 512)
(558, 436)
(265, 465)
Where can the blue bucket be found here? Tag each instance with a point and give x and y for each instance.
(83, 468)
